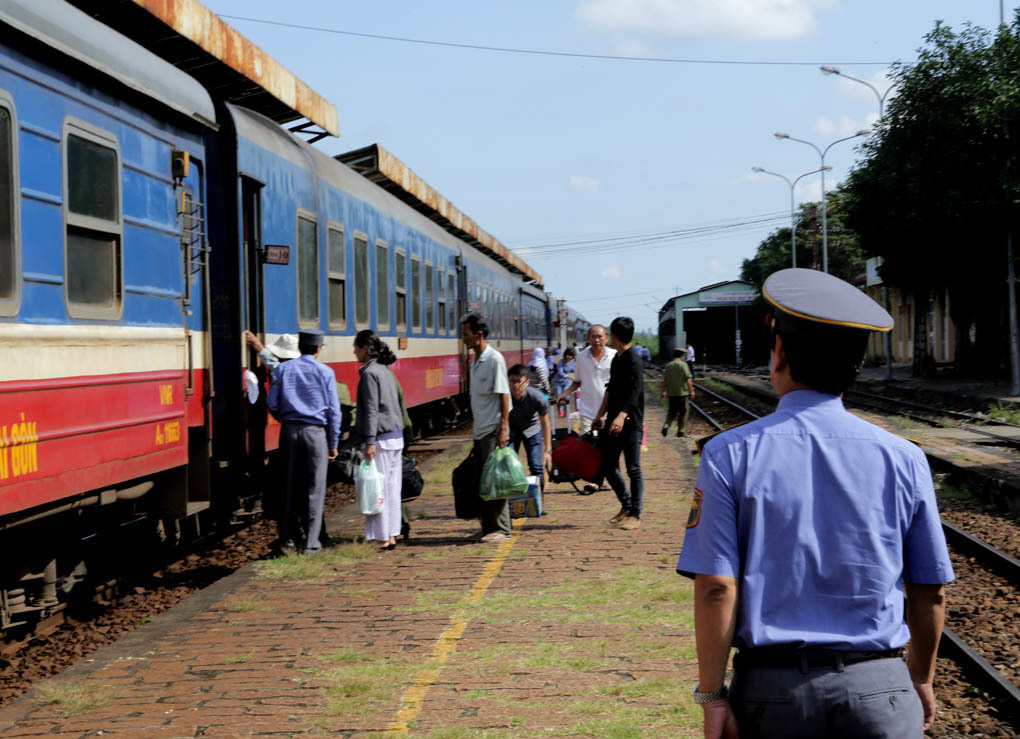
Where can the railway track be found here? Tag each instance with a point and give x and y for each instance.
(953, 646)
(932, 417)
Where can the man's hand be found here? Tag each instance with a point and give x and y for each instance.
(720, 723)
(369, 452)
(504, 436)
(927, 695)
(617, 425)
(663, 393)
(596, 423)
(547, 461)
(253, 341)
(333, 454)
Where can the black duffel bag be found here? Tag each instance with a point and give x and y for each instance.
(411, 479)
(466, 501)
(348, 460)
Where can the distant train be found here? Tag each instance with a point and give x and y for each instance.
(143, 228)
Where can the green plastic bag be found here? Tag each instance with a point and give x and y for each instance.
(503, 476)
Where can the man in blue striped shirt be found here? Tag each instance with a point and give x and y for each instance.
(303, 399)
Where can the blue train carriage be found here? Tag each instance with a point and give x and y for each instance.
(319, 246)
(102, 279)
(494, 278)
(536, 319)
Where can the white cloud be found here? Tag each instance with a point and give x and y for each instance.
(630, 46)
(751, 20)
(715, 267)
(585, 184)
(612, 272)
(845, 126)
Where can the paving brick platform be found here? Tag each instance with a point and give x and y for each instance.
(571, 628)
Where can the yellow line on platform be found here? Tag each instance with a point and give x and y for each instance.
(447, 642)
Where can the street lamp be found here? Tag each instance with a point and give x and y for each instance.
(793, 217)
(821, 153)
(828, 69)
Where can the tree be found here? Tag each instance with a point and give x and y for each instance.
(938, 187)
(846, 260)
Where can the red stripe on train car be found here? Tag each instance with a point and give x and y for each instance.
(69, 435)
(424, 379)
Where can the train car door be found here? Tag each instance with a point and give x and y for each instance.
(256, 418)
(462, 310)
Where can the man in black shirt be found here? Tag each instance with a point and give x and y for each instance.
(625, 403)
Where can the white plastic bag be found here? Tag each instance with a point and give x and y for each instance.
(368, 483)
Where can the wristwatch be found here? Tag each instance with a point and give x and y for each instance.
(713, 697)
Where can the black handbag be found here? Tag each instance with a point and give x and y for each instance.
(411, 480)
(466, 501)
(348, 460)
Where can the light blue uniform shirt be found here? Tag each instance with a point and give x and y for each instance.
(821, 517)
(304, 391)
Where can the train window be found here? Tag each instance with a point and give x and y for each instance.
(415, 293)
(92, 218)
(451, 295)
(336, 267)
(441, 298)
(308, 269)
(400, 288)
(382, 284)
(9, 231)
(430, 299)
(361, 283)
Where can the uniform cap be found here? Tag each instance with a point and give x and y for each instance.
(285, 347)
(819, 300)
(311, 338)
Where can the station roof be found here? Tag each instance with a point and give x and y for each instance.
(729, 292)
(391, 174)
(233, 69)
(74, 34)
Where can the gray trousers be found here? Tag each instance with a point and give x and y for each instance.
(305, 456)
(495, 514)
(865, 699)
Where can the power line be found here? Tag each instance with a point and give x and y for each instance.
(543, 52)
(702, 234)
(641, 237)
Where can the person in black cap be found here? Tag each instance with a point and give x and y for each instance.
(807, 530)
(303, 399)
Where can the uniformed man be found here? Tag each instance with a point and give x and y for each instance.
(807, 529)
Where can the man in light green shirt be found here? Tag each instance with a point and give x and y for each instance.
(490, 408)
(678, 388)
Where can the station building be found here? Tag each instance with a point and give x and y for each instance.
(927, 331)
(721, 321)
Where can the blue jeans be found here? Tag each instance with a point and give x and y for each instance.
(627, 441)
(533, 450)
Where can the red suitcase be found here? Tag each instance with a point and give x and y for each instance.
(579, 456)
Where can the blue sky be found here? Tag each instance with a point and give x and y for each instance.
(543, 150)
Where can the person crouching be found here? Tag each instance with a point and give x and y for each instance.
(529, 422)
(380, 424)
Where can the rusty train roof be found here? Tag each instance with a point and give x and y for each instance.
(391, 174)
(232, 68)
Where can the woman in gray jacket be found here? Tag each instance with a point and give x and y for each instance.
(380, 425)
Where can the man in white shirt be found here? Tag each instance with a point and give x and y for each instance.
(591, 375)
(689, 358)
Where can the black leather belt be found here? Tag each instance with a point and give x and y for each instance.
(807, 658)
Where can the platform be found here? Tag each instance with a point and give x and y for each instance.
(572, 628)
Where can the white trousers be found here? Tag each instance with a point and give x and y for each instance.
(382, 526)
